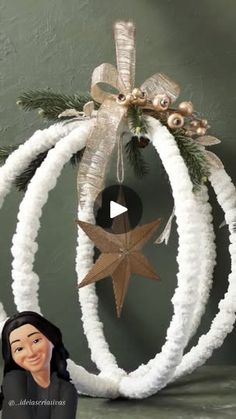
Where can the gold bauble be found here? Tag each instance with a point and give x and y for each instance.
(189, 133)
(124, 99)
(186, 108)
(161, 102)
(138, 97)
(175, 120)
(204, 123)
(194, 123)
(136, 92)
(141, 101)
(201, 131)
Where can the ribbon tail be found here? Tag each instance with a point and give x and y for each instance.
(99, 148)
(165, 235)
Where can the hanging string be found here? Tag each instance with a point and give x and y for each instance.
(120, 160)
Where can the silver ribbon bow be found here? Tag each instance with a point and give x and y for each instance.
(111, 116)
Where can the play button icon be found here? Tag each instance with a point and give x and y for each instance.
(116, 209)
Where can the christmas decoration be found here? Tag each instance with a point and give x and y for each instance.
(50, 104)
(120, 257)
(94, 125)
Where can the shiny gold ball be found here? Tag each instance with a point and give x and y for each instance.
(189, 133)
(175, 120)
(124, 99)
(194, 123)
(204, 123)
(139, 98)
(186, 108)
(161, 102)
(136, 92)
(201, 131)
(141, 101)
(129, 99)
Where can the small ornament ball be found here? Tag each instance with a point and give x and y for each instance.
(201, 131)
(186, 108)
(161, 102)
(175, 120)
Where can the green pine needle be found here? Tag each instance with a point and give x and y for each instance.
(76, 158)
(5, 152)
(136, 120)
(51, 104)
(135, 158)
(195, 160)
(25, 177)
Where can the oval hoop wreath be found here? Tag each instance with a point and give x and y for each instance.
(192, 211)
(154, 379)
(42, 140)
(170, 156)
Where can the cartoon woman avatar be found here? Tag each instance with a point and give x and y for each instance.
(36, 383)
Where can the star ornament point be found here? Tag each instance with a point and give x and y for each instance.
(120, 257)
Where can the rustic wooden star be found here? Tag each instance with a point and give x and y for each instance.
(120, 257)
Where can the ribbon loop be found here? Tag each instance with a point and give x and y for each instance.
(107, 74)
(160, 84)
(124, 34)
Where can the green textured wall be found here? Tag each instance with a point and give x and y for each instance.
(57, 44)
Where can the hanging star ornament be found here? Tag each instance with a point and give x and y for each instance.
(120, 257)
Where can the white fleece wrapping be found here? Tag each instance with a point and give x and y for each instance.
(25, 280)
(196, 262)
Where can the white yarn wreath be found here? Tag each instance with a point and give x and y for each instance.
(85, 382)
(193, 216)
(173, 163)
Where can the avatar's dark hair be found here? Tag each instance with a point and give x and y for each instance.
(52, 333)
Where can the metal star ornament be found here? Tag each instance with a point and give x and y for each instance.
(120, 257)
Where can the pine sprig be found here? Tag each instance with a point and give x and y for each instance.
(195, 160)
(76, 158)
(25, 177)
(135, 158)
(5, 152)
(51, 104)
(136, 120)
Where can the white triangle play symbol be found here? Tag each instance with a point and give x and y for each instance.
(116, 209)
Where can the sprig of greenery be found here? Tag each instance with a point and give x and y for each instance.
(25, 177)
(51, 104)
(136, 120)
(22, 181)
(195, 159)
(135, 158)
(76, 157)
(5, 152)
